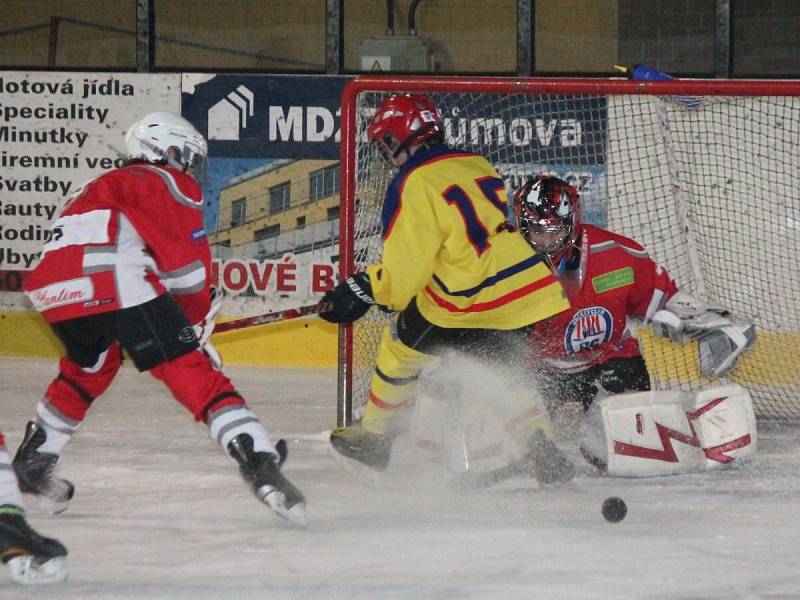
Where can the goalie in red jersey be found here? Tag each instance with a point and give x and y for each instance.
(127, 268)
(607, 278)
(589, 351)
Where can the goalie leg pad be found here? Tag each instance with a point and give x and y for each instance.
(476, 417)
(468, 436)
(646, 434)
(725, 424)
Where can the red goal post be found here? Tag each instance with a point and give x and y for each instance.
(704, 173)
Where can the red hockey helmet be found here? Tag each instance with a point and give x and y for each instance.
(403, 120)
(547, 211)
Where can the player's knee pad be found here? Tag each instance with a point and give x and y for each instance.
(390, 387)
(96, 377)
(397, 370)
(72, 392)
(156, 332)
(478, 417)
(196, 384)
(399, 363)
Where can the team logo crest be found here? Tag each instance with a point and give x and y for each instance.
(588, 328)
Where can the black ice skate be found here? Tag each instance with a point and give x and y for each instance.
(361, 453)
(35, 472)
(31, 557)
(262, 471)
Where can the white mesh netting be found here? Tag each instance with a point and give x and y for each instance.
(707, 183)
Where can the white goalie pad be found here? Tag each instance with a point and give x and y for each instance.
(644, 434)
(467, 436)
(474, 415)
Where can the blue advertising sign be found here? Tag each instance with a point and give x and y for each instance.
(267, 116)
(539, 128)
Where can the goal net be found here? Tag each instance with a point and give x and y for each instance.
(703, 173)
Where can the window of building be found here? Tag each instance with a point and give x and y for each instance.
(238, 212)
(266, 233)
(279, 197)
(324, 182)
(301, 222)
(333, 213)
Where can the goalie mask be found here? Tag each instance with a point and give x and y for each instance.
(401, 121)
(164, 137)
(547, 211)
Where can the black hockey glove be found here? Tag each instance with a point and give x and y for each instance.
(348, 301)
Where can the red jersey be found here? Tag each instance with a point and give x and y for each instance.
(125, 238)
(611, 279)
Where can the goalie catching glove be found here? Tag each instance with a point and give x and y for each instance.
(348, 301)
(720, 340)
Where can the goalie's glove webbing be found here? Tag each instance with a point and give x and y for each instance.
(720, 350)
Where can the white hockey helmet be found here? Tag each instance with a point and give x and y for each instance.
(167, 137)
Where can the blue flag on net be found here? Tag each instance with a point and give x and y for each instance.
(645, 73)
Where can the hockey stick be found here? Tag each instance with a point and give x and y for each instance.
(559, 470)
(476, 481)
(272, 317)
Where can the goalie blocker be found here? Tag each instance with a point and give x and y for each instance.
(644, 434)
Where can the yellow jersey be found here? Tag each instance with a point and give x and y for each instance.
(447, 242)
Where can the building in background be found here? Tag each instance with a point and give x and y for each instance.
(285, 206)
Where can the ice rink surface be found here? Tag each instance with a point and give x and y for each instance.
(160, 512)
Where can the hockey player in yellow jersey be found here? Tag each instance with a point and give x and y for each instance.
(454, 270)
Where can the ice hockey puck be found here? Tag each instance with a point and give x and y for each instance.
(614, 509)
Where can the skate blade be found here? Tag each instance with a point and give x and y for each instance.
(276, 500)
(357, 469)
(53, 506)
(520, 470)
(42, 506)
(27, 570)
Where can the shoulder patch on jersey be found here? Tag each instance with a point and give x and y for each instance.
(198, 233)
(613, 280)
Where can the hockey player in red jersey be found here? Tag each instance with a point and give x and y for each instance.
(609, 278)
(127, 268)
(32, 558)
